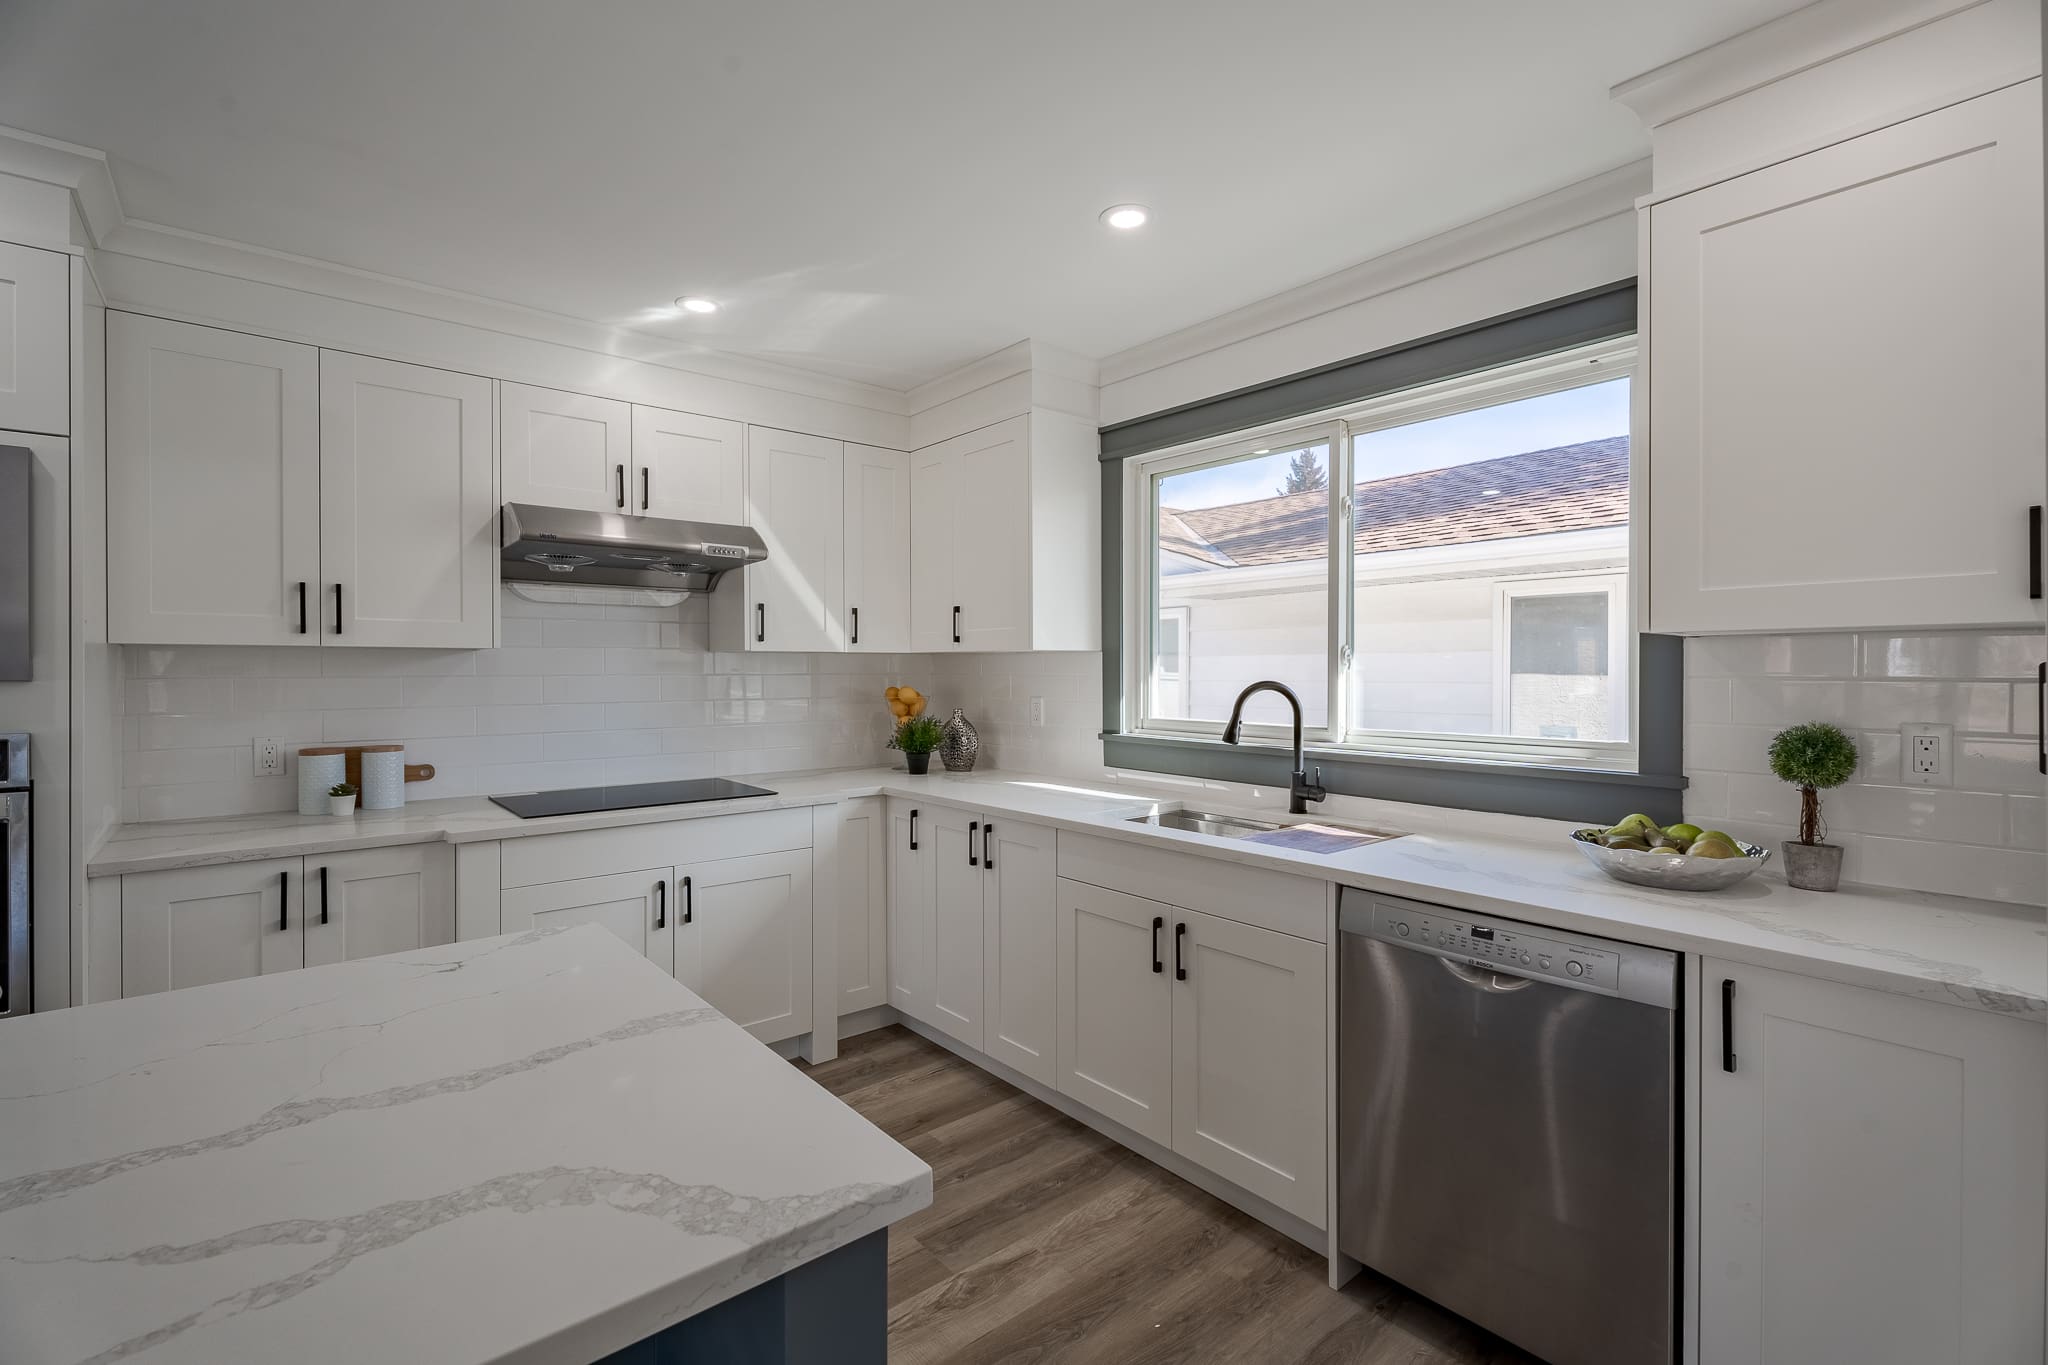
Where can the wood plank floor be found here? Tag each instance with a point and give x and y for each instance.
(1048, 1242)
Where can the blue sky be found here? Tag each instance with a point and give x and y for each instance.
(1553, 419)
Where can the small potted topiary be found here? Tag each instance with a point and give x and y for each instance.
(1813, 757)
(917, 736)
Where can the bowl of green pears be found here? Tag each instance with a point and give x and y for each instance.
(1675, 857)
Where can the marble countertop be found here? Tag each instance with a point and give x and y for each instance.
(1973, 953)
(531, 1148)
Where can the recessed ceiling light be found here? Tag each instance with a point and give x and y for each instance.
(1124, 217)
(1489, 492)
(692, 304)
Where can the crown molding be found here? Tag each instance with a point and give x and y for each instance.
(1587, 201)
(84, 171)
(1786, 46)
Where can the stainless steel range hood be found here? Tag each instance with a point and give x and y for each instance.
(572, 548)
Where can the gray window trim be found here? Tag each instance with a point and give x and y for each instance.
(1517, 789)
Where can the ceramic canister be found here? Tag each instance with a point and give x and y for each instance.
(383, 776)
(319, 769)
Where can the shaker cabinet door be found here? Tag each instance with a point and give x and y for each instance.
(564, 449)
(213, 486)
(193, 926)
(408, 516)
(1116, 1006)
(372, 901)
(877, 550)
(686, 467)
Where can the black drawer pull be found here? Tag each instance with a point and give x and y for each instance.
(302, 607)
(1158, 923)
(760, 623)
(2034, 552)
(913, 831)
(661, 905)
(689, 901)
(1727, 1024)
(2040, 715)
(284, 910)
(956, 625)
(988, 848)
(1180, 970)
(646, 487)
(973, 827)
(856, 626)
(323, 895)
(337, 609)
(622, 487)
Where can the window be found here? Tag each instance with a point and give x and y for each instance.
(1478, 606)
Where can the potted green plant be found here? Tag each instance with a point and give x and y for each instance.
(1813, 757)
(341, 799)
(916, 737)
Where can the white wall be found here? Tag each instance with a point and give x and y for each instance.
(579, 695)
(1982, 837)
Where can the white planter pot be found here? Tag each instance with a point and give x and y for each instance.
(341, 805)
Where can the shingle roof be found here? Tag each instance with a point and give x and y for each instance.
(1540, 492)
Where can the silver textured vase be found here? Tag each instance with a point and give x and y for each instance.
(959, 743)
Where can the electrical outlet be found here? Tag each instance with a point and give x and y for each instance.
(270, 758)
(1038, 710)
(1927, 754)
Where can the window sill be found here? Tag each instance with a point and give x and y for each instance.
(1550, 792)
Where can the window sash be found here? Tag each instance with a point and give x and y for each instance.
(1143, 475)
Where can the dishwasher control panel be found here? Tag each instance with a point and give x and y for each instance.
(1501, 944)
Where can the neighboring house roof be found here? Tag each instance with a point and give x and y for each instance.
(1540, 492)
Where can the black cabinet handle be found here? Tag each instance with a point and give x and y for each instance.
(646, 487)
(284, 910)
(323, 895)
(622, 486)
(1180, 971)
(661, 905)
(856, 626)
(913, 831)
(972, 827)
(1727, 1024)
(988, 848)
(2041, 714)
(302, 607)
(2034, 552)
(760, 623)
(1158, 923)
(689, 901)
(956, 625)
(337, 609)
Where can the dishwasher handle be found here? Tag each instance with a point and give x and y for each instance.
(1479, 978)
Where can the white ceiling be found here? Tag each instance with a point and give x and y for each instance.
(878, 189)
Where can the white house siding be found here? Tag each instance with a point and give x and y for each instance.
(1426, 640)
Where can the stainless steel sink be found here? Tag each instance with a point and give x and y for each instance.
(1209, 822)
(1307, 835)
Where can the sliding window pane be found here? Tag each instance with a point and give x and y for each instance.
(1490, 571)
(1242, 586)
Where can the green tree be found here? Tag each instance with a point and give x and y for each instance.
(1304, 475)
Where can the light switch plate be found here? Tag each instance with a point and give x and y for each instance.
(1927, 754)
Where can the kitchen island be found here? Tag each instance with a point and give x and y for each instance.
(530, 1148)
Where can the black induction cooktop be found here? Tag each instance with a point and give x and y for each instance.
(581, 800)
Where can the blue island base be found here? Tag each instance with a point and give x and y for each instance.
(831, 1311)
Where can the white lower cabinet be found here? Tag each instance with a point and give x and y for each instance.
(1020, 909)
(1201, 1033)
(912, 906)
(1249, 1081)
(863, 905)
(193, 926)
(958, 958)
(1116, 1007)
(744, 940)
(633, 905)
(1871, 1176)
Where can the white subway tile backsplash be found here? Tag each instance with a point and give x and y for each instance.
(1981, 836)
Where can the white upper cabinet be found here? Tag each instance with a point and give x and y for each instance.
(1006, 553)
(408, 518)
(795, 599)
(877, 550)
(35, 340)
(1845, 353)
(566, 449)
(687, 468)
(1870, 1176)
(213, 486)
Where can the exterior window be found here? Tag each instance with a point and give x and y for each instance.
(1479, 606)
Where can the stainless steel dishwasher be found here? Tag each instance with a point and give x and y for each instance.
(1506, 1125)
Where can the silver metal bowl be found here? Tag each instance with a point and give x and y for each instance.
(1672, 873)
